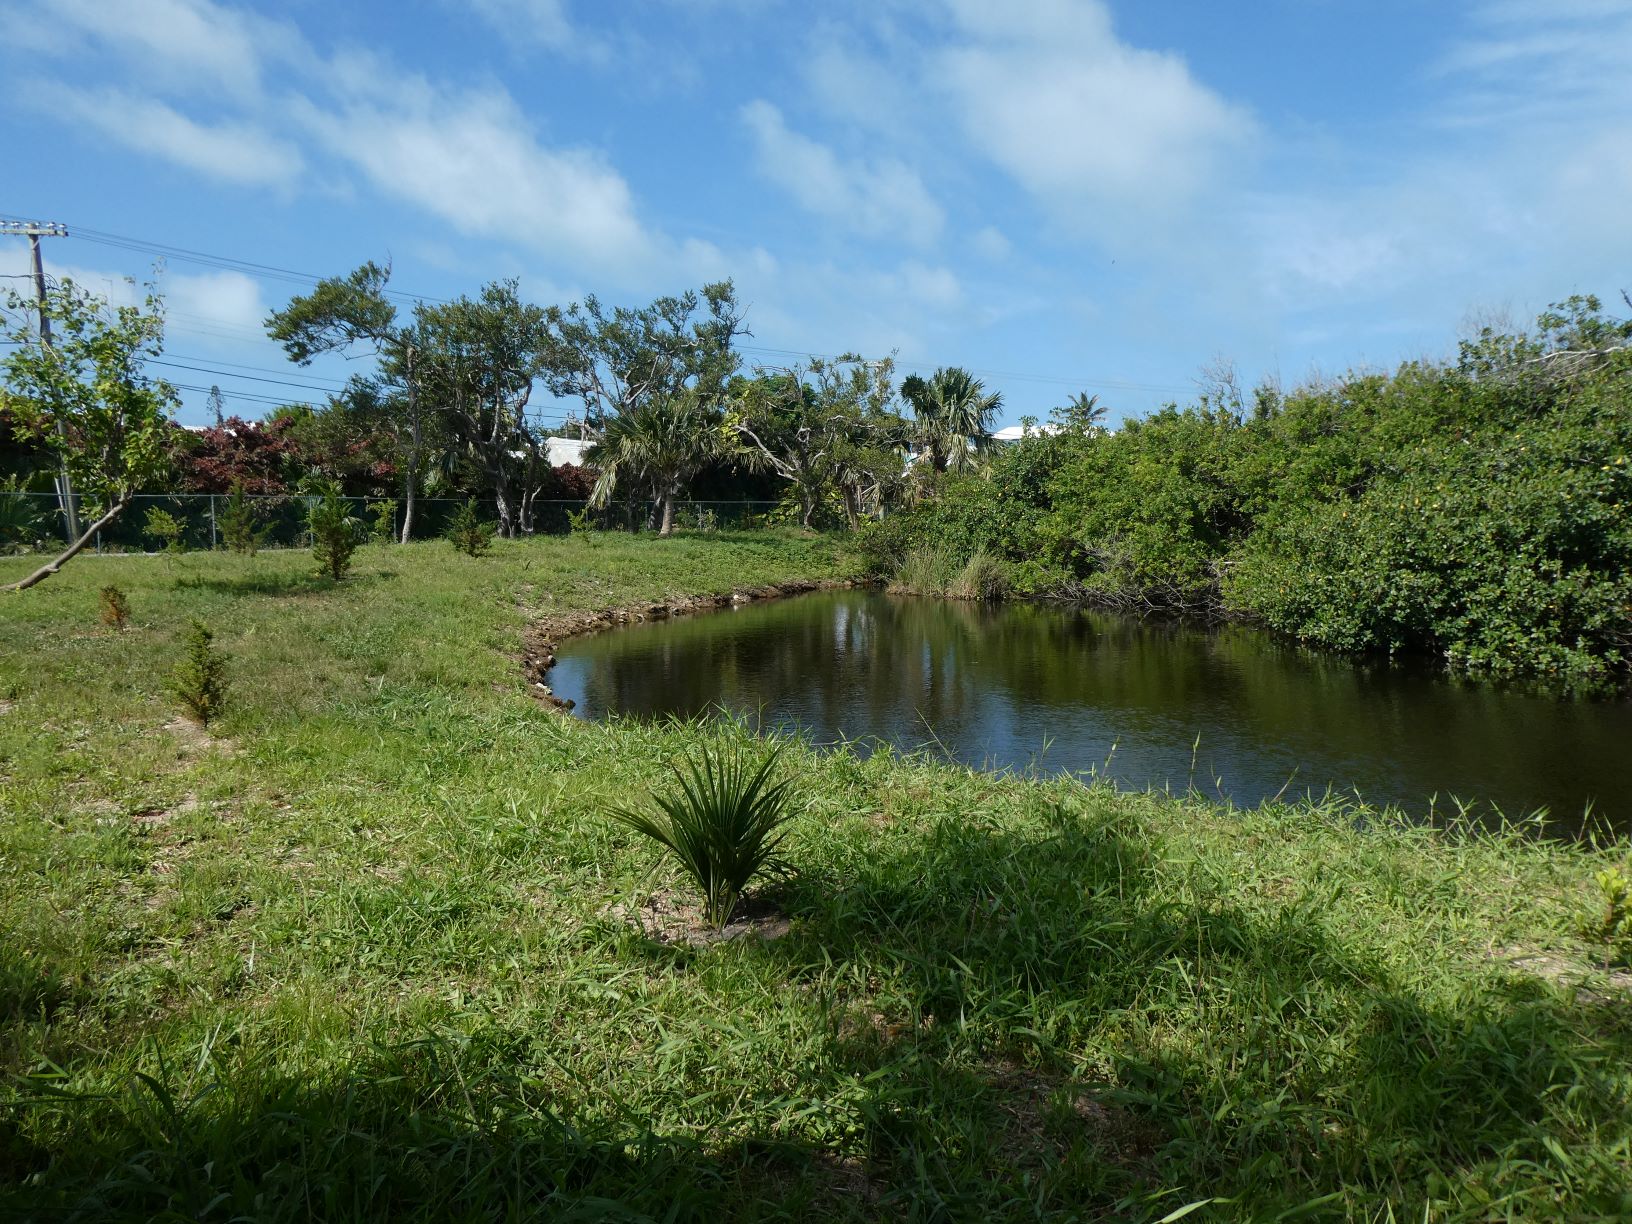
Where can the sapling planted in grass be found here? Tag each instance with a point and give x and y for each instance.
(165, 529)
(723, 824)
(383, 526)
(115, 607)
(334, 530)
(240, 523)
(467, 532)
(200, 679)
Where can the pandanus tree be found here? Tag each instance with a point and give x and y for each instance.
(659, 446)
(953, 414)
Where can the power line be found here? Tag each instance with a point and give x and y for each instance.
(274, 272)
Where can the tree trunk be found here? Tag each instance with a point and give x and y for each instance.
(503, 503)
(416, 440)
(667, 529)
(73, 550)
(408, 505)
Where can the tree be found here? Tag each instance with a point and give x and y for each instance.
(248, 455)
(1082, 413)
(661, 443)
(345, 311)
(954, 413)
(335, 532)
(652, 381)
(615, 362)
(825, 428)
(479, 360)
(85, 399)
(356, 438)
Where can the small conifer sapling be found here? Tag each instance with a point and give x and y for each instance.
(199, 681)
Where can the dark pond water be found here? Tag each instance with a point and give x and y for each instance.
(1231, 711)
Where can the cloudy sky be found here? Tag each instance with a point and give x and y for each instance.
(1062, 195)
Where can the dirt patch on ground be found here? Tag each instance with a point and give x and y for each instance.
(194, 738)
(674, 919)
(1043, 1115)
(540, 638)
(1591, 982)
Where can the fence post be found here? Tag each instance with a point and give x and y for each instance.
(213, 544)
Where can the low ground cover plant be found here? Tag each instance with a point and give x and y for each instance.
(361, 967)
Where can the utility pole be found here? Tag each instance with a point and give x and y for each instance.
(34, 231)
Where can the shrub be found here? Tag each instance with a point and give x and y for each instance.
(115, 607)
(239, 521)
(199, 681)
(723, 825)
(334, 530)
(383, 520)
(22, 522)
(1613, 923)
(467, 532)
(169, 532)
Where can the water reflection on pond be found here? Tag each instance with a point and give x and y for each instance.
(1231, 711)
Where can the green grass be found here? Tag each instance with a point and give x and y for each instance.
(357, 954)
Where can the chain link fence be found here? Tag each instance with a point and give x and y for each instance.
(37, 520)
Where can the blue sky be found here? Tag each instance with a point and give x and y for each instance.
(1062, 195)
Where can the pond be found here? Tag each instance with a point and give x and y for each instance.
(1230, 711)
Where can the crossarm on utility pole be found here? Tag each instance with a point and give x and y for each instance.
(34, 231)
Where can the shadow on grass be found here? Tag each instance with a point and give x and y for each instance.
(1009, 1026)
(303, 582)
(1080, 1041)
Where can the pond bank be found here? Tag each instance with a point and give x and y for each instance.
(540, 637)
(373, 956)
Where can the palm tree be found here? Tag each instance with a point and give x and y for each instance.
(661, 443)
(954, 414)
(1082, 411)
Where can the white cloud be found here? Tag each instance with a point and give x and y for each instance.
(882, 196)
(234, 151)
(989, 242)
(222, 299)
(541, 23)
(471, 158)
(188, 44)
(1080, 118)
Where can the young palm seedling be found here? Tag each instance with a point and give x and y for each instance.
(723, 824)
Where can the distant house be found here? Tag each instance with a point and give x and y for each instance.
(1014, 433)
(562, 451)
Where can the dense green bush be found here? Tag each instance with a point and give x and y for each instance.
(1474, 511)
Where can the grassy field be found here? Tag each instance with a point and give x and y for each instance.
(360, 952)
